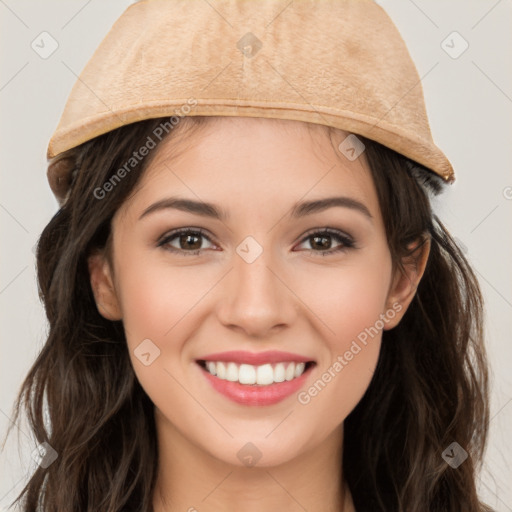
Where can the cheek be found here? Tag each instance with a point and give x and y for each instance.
(157, 303)
(348, 299)
(156, 298)
(351, 305)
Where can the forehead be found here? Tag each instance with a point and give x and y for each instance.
(246, 161)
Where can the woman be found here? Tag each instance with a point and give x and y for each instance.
(201, 355)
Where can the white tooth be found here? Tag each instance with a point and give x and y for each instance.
(290, 371)
(221, 371)
(264, 375)
(232, 372)
(299, 369)
(211, 367)
(247, 374)
(279, 373)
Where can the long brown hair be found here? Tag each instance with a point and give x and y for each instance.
(81, 395)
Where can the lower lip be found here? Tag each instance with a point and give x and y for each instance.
(256, 395)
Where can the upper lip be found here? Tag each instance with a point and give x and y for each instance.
(255, 358)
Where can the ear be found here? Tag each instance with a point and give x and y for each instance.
(103, 286)
(406, 280)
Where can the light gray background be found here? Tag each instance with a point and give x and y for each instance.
(469, 102)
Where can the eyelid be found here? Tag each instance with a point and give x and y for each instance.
(175, 232)
(347, 240)
(326, 229)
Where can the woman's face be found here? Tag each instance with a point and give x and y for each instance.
(260, 290)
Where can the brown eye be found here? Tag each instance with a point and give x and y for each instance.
(321, 242)
(189, 241)
(184, 241)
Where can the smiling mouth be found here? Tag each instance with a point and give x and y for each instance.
(256, 375)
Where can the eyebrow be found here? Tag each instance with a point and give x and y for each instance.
(299, 210)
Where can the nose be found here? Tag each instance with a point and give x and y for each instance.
(257, 300)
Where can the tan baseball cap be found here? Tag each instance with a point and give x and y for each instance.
(340, 63)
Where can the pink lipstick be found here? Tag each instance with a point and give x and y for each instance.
(262, 378)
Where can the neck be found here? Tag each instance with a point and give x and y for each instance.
(190, 479)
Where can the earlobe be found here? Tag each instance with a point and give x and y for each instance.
(406, 280)
(103, 287)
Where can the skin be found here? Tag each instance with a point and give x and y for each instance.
(290, 298)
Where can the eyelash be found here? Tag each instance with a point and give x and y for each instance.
(346, 241)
